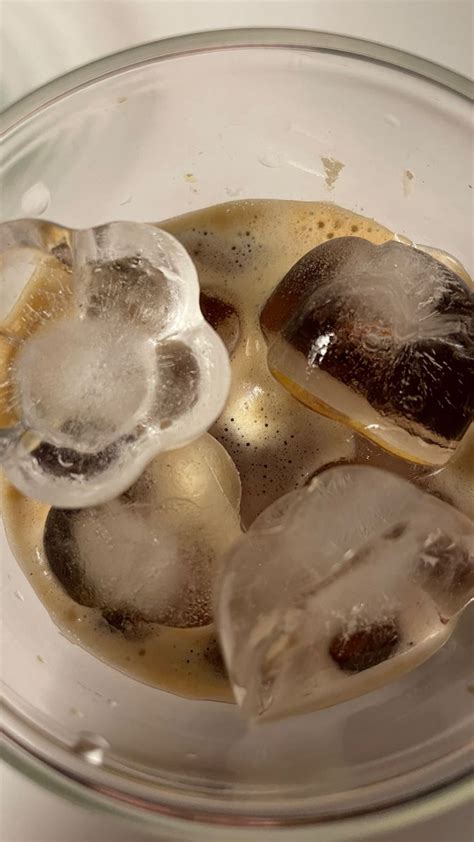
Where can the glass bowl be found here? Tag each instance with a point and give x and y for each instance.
(160, 130)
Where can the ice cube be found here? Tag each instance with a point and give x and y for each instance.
(338, 588)
(149, 555)
(84, 385)
(381, 337)
(136, 273)
(100, 374)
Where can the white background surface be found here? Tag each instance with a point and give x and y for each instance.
(41, 39)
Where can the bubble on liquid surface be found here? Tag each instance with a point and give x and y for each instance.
(338, 588)
(149, 556)
(381, 337)
(109, 369)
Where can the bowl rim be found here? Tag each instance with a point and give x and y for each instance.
(215, 40)
(366, 825)
(20, 753)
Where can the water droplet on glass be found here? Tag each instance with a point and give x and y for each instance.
(76, 712)
(407, 182)
(272, 158)
(35, 200)
(91, 747)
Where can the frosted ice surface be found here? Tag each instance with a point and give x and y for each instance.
(338, 588)
(104, 365)
(381, 337)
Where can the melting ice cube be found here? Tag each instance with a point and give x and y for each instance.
(106, 364)
(149, 555)
(381, 337)
(338, 588)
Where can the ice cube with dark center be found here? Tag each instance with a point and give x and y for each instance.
(149, 555)
(338, 588)
(124, 368)
(381, 337)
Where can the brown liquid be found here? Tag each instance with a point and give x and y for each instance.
(241, 251)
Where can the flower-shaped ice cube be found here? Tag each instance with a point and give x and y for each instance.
(105, 358)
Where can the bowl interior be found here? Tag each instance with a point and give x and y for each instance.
(172, 135)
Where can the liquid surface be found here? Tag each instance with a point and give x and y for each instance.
(241, 251)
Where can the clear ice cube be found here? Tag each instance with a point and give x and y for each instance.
(149, 555)
(380, 337)
(338, 588)
(105, 359)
